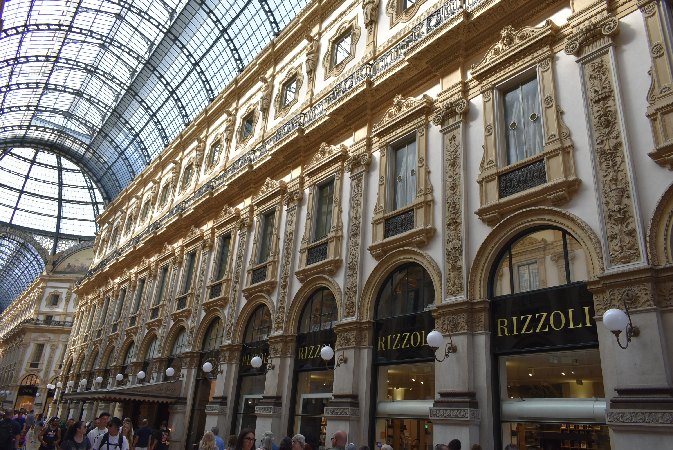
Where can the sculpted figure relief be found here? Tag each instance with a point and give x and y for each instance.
(370, 9)
(311, 56)
(265, 100)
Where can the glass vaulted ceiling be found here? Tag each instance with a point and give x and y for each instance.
(101, 87)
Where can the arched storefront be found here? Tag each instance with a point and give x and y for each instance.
(204, 388)
(313, 378)
(403, 363)
(547, 365)
(250, 380)
(27, 392)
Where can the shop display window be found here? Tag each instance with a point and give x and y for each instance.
(407, 382)
(572, 374)
(314, 390)
(557, 436)
(404, 434)
(251, 390)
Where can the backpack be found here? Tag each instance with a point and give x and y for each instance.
(105, 437)
(6, 434)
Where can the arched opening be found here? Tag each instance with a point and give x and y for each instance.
(107, 370)
(404, 365)
(313, 378)
(27, 393)
(178, 347)
(251, 380)
(129, 356)
(204, 389)
(545, 347)
(151, 353)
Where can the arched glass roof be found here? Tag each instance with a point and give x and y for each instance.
(101, 87)
(15, 278)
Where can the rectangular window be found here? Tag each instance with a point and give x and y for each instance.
(342, 48)
(222, 256)
(138, 295)
(188, 273)
(522, 121)
(36, 356)
(145, 210)
(248, 126)
(214, 155)
(161, 290)
(187, 176)
(324, 201)
(164, 194)
(289, 91)
(265, 233)
(528, 277)
(120, 304)
(103, 315)
(54, 299)
(403, 174)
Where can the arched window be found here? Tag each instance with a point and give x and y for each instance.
(408, 290)
(179, 344)
(319, 313)
(259, 325)
(539, 259)
(94, 360)
(213, 337)
(30, 380)
(130, 354)
(152, 350)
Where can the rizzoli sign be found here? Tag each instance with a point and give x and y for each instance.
(551, 318)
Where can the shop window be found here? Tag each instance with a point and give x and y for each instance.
(404, 363)
(522, 121)
(528, 152)
(187, 174)
(403, 211)
(402, 175)
(251, 381)
(313, 391)
(55, 299)
(528, 277)
(341, 48)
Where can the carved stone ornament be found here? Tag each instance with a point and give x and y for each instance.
(370, 13)
(604, 25)
(511, 43)
(608, 143)
(637, 417)
(399, 13)
(447, 109)
(349, 26)
(285, 265)
(311, 60)
(402, 107)
(265, 98)
(269, 188)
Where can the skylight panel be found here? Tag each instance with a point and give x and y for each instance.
(78, 227)
(31, 219)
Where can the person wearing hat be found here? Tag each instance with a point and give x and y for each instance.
(113, 439)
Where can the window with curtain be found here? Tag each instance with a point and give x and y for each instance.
(138, 295)
(265, 234)
(523, 121)
(162, 285)
(222, 256)
(323, 209)
(188, 273)
(120, 304)
(403, 174)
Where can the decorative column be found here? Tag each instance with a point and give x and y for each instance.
(177, 418)
(456, 413)
(179, 413)
(350, 396)
(637, 380)
(230, 359)
(271, 415)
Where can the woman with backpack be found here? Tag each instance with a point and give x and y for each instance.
(75, 438)
(50, 436)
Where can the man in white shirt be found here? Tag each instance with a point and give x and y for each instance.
(113, 440)
(96, 434)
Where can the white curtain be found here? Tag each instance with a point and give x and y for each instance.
(404, 183)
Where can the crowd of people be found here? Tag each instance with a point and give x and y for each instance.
(26, 431)
(339, 441)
